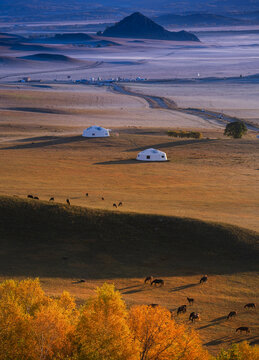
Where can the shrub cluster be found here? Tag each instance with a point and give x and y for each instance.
(185, 134)
(34, 326)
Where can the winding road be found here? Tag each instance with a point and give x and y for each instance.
(157, 102)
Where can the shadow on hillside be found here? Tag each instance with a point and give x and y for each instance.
(119, 162)
(44, 142)
(183, 287)
(213, 322)
(37, 236)
(38, 110)
(172, 144)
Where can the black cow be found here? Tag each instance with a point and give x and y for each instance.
(204, 279)
(120, 203)
(114, 205)
(190, 300)
(35, 198)
(194, 316)
(51, 199)
(250, 306)
(231, 314)
(158, 282)
(30, 196)
(243, 329)
(68, 202)
(181, 309)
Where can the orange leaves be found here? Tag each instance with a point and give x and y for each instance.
(102, 331)
(158, 337)
(36, 327)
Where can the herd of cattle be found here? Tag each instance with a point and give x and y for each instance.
(68, 200)
(193, 315)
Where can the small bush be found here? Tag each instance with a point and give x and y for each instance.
(236, 129)
(185, 134)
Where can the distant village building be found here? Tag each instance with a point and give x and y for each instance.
(96, 131)
(152, 155)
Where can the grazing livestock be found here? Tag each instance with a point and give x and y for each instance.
(51, 199)
(204, 279)
(102, 198)
(231, 314)
(68, 202)
(153, 305)
(158, 282)
(250, 306)
(35, 198)
(30, 196)
(148, 279)
(86, 194)
(243, 329)
(114, 205)
(194, 316)
(190, 300)
(181, 309)
(120, 203)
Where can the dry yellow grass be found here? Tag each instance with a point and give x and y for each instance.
(212, 179)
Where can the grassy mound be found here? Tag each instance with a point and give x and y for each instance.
(54, 240)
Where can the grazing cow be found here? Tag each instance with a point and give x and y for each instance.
(204, 279)
(158, 282)
(153, 305)
(120, 203)
(86, 194)
(29, 196)
(35, 198)
(194, 316)
(51, 199)
(114, 205)
(231, 314)
(102, 198)
(190, 300)
(148, 279)
(181, 309)
(68, 202)
(243, 329)
(250, 306)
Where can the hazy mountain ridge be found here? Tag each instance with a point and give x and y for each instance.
(87, 9)
(139, 26)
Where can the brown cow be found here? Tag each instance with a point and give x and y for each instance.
(250, 306)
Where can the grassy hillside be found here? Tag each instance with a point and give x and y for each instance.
(53, 240)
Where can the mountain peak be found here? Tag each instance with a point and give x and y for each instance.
(138, 25)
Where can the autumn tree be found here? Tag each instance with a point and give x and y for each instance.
(32, 325)
(242, 351)
(103, 332)
(158, 337)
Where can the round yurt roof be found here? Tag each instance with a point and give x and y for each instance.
(152, 151)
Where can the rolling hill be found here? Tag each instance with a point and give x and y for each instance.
(139, 26)
(54, 240)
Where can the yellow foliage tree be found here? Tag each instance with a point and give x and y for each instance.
(102, 331)
(158, 337)
(242, 351)
(32, 325)
(52, 331)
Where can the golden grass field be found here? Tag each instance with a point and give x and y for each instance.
(213, 179)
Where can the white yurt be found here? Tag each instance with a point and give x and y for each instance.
(152, 155)
(96, 131)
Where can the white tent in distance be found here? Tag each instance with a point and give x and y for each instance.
(96, 131)
(152, 155)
